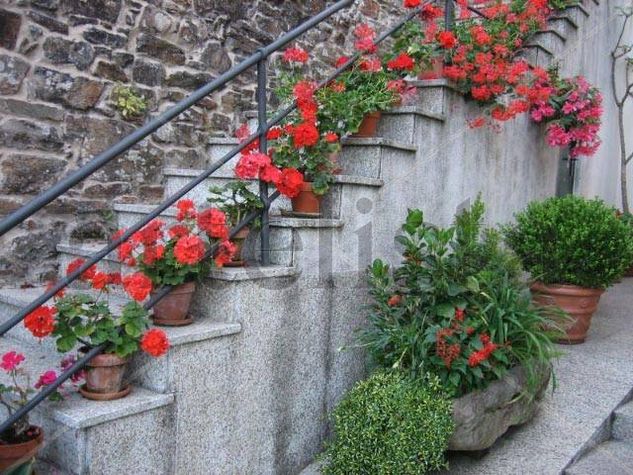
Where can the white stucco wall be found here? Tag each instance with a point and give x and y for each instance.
(589, 55)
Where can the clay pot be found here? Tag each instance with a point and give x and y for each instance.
(14, 455)
(104, 378)
(238, 240)
(578, 302)
(173, 309)
(434, 71)
(306, 202)
(368, 126)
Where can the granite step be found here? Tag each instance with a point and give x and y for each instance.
(609, 458)
(12, 300)
(82, 436)
(622, 428)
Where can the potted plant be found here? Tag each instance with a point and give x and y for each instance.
(20, 442)
(456, 308)
(236, 201)
(574, 248)
(85, 320)
(412, 55)
(175, 257)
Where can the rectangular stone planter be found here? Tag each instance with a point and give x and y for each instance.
(482, 416)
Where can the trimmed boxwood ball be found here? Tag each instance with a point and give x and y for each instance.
(572, 240)
(390, 424)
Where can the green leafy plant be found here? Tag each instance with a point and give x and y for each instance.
(128, 102)
(236, 201)
(390, 424)
(572, 240)
(455, 308)
(356, 93)
(88, 321)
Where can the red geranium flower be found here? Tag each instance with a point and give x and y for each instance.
(270, 174)
(137, 285)
(88, 274)
(46, 378)
(155, 343)
(341, 61)
(394, 300)
(189, 250)
(225, 253)
(331, 137)
(290, 182)
(295, 55)
(151, 254)
(370, 65)
(305, 135)
(213, 222)
(114, 278)
(250, 164)
(403, 62)
(446, 39)
(274, 133)
(364, 31)
(100, 280)
(186, 210)
(412, 3)
(177, 231)
(41, 321)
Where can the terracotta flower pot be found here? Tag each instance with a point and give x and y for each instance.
(238, 240)
(368, 126)
(306, 202)
(104, 378)
(13, 455)
(173, 309)
(578, 302)
(434, 71)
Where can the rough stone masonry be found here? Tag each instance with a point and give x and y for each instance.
(61, 60)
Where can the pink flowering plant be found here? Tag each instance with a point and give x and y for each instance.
(15, 392)
(572, 114)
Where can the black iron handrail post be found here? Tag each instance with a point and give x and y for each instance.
(262, 123)
(449, 15)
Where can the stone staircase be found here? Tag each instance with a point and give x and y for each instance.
(247, 387)
(612, 451)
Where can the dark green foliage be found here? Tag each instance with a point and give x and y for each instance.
(456, 289)
(390, 424)
(572, 240)
(82, 320)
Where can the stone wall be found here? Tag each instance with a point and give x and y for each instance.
(60, 61)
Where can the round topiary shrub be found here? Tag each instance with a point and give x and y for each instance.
(572, 240)
(390, 424)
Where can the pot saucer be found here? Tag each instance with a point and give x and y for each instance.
(178, 322)
(105, 396)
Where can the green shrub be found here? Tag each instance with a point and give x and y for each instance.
(455, 308)
(572, 240)
(390, 424)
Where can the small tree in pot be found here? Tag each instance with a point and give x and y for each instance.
(574, 248)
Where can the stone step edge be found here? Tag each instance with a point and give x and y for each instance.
(338, 179)
(201, 330)
(77, 412)
(279, 221)
(350, 141)
(228, 274)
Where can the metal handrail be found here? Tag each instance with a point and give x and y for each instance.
(258, 58)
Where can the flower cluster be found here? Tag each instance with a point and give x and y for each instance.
(172, 255)
(572, 112)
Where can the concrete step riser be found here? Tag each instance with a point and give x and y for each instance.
(551, 41)
(622, 428)
(564, 27)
